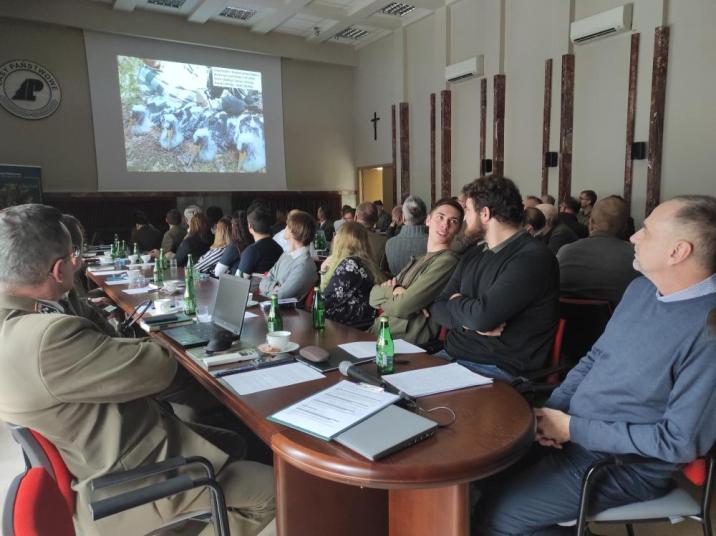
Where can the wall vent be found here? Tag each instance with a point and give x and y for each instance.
(174, 4)
(397, 9)
(351, 33)
(237, 13)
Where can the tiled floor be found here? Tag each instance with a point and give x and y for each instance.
(11, 464)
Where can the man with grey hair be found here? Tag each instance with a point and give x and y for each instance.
(92, 395)
(646, 387)
(554, 234)
(367, 216)
(190, 212)
(412, 242)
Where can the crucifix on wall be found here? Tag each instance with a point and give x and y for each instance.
(375, 125)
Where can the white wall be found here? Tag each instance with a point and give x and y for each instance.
(533, 32)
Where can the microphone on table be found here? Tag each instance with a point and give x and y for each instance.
(355, 373)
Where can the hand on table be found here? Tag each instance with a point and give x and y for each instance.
(552, 427)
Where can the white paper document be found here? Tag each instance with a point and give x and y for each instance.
(330, 412)
(122, 281)
(363, 349)
(107, 272)
(254, 381)
(431, 380)
(140, 290)
(249, 314)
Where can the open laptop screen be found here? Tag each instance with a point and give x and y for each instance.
(230, 304)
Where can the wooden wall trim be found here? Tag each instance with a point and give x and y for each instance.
(630, 117)
(433, 186)
(404, 149)
(565, 127)
(546, 118)
(656, 117)
(393, 130)
(483, 125)
(446, 143)
(498, 129)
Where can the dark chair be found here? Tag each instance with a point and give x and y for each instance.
(547, 379)
(39, 453)
(586, 320)
(674, 506)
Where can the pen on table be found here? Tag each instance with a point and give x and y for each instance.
(252, 366)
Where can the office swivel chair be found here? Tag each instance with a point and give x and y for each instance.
(25, 509)
(675, 506)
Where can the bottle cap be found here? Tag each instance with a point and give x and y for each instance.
(316, 289)
(384, 319)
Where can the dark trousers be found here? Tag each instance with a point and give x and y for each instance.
(529, 499)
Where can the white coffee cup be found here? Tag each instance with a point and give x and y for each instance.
(171, 285)
(163, 306)
(146, 259)
(278, 339)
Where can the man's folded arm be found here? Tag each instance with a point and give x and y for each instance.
(439, 310)
(80, 364)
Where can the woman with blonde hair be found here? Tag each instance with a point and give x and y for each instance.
(349, 275)
(222, 239)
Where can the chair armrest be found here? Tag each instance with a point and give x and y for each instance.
(149, 470)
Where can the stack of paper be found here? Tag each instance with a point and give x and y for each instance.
(254, 381)
(431, 380)
(364, 349)
(330, 412)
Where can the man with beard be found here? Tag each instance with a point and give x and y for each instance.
(502, 303)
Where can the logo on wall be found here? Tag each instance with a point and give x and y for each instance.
(28, 90)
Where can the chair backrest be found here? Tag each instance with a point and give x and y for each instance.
(34, 506)
(39, 452)
(586, 320)
(557, 350)
(309, 300)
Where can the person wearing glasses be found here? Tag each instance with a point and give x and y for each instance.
(587, 199)
(75, 301)
(94, 396)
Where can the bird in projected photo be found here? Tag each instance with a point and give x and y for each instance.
(204, 146)
(171, 136)
(140, 121)
(249, 142)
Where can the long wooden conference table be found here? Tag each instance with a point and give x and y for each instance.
(323, 488)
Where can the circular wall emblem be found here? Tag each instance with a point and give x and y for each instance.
(28, 90)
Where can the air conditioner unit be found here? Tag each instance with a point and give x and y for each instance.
(602, 24)
(464, 70)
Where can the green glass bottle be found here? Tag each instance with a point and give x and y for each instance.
(158, 275)
(273, 320)
(124, 250)
(189, 292)
(163, 260)
(384, 349)
(318, 309)
(136, 249)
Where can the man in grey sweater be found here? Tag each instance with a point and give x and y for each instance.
(646, 387)
(413, 238)
(295, 272)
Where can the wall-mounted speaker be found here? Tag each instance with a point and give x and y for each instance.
(638, 150)
(551, 159)
(486, 166)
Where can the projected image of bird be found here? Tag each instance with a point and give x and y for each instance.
(204, 145)
(231, 104)
(218, 125)
(249, 141)
(171, 136)
(140, 121)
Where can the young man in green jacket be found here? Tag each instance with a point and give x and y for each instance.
(405, 298)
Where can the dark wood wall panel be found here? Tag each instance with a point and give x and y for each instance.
(404, 149)
(656, 117)
(546, 118)
(433, 187)
(483, 125)
(498, 129)
(631, 114)
(104, 214)
(565, 127)
(394, 142)
(446, 143)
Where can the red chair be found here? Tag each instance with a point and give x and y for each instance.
(308, 304)
(22, 509)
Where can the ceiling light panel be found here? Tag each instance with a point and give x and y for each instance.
(238, 13)
(397, 9)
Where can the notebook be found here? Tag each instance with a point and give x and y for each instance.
(386, 432)
(227, 314)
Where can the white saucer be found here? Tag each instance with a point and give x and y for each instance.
(290, 347)
(252, 303)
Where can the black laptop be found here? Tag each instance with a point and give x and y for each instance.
(227, 314)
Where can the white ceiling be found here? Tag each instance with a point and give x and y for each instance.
(350, 22)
